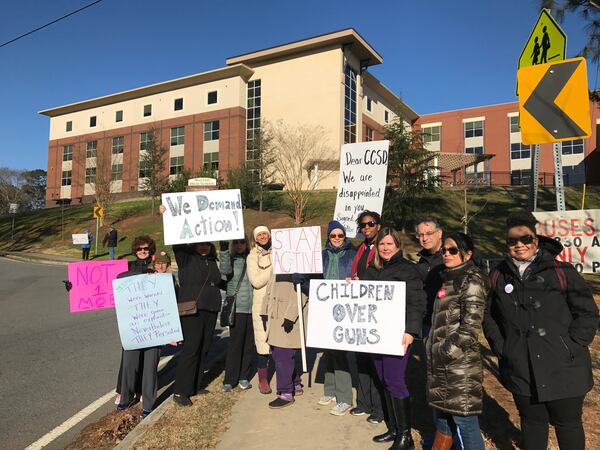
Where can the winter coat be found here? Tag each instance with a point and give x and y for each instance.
(259, 269)
(232, 267)
(401, 269)
(454, 365)
(140, 266)
(199, 278)
(90, 240)
(539, 333)
(110, 238)
(345, 263)
(280, 303)
(364, 255)
(430, 266)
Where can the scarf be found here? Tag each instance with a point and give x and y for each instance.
(523, 265)
(333, 266)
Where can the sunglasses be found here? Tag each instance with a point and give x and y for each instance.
(526, 240)
(370, 224)
(338, 236)
(452, 250)
(142, 249)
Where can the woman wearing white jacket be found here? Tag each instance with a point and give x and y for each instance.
(260, 270)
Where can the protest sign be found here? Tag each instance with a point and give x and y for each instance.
(147, 310)
(296, 250)
(79, 239)
(578, 232)
(202, 216)
(363, 173)
(360, 316)
(92, 288)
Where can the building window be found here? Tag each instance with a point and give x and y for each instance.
(519, 151)
(572, 147)
(252, 119)
(474, 129)
(514, 124)
(143, 169)
(431, 134)
(386, 116)
(67, 152)
(92, 121)
(369, 134)
(212, 97)
(211, 161)
(69, 126)
(145, 139)
(147, 110)
(349, 105)
(574, 175)
(177, 135)
(117, 145)
(178, 106)
(176, 165)
(520, 177)
(116, 172)
(475, 150)
(90, 151)
(90, 175)
(211, 130)
(369, 104)
(65, 178)
(119, 116)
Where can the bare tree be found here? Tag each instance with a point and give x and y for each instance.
(152, 168)
(11, 184)
(260, 161)
(298, 151)
(102, 179)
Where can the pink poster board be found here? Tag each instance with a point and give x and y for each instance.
(92, 284)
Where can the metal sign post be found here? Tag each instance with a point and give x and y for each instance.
(535, 176)
(558, 176)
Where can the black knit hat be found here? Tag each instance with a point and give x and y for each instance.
(521, 219)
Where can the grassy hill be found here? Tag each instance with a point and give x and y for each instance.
(49, 231)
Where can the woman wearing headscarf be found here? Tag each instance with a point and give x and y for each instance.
(539, 320)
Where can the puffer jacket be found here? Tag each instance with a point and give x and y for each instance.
(454, 366)
(259, 270)
(232, 267)
(539, 332)
(139, 266)
(199, 278)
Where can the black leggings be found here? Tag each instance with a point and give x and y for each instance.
(240, 352)
(564, 414)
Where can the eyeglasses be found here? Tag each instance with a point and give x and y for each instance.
(427, 233)
(338, 236)
(526, 240)
(370, 224)
(142, 249)
(452, 250)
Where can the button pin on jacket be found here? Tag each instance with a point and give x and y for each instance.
(441, 293)
(509, 288)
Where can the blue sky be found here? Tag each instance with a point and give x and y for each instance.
(438, 55)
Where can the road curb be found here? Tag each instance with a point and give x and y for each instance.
(141, 428)
(48, 262)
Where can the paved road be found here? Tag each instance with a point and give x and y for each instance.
(52, 363)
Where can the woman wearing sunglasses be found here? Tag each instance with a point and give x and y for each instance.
(455, 371)
(389, 265)
(539, 321)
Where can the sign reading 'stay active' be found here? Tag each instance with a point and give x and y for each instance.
(91, 280)
(202, 216)
(296, 250)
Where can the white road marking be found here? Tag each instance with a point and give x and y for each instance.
(78, 417)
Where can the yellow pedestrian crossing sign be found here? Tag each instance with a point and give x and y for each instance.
(98, 212)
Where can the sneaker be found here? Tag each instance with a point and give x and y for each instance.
(357, 411)
(326, 400)
(145, 413)
(340, 409)
(118, 399)
(281, 401)
(227, 388)
(374, 419)
(182, 400)
(124, 406)
(298, 391)
(244, 385)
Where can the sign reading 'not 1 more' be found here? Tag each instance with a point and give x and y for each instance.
(296, 250)
(92, 284)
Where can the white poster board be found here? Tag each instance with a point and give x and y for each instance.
(363, 174)
(578, 232)
(202, 216)
(360, 316)
(296, 250)
(81, 238)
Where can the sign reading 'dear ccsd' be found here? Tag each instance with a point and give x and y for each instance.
(361, 316)
(202, 216)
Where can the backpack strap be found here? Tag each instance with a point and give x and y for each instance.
(562, 277)
(494, 275)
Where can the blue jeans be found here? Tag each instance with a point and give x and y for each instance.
(111, 252)
(466, 429)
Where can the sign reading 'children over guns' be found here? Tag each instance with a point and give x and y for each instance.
(91, 280)
(147, 310)
(360, 316)
(363, 173)
(202, 216)
(297, 250)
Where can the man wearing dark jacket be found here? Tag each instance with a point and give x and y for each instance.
(111, 239)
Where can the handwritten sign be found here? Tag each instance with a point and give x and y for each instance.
(297, 250)
(147, 310)
(92, 288)
(202, 216)
(361, 316)
(578, 232)
(79, 239)
(363, 172)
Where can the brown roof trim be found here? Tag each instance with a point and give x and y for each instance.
(361, 48)
(240, 70)
(407, 112)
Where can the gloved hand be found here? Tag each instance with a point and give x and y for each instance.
(224, 245)
(297, 278)
(68, 285)
(264, 319)
(288, 325)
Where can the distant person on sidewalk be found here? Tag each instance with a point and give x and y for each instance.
(240, 352)
(111, 239)
(85, 248)
(260, 270)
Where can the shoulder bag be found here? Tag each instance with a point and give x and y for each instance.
(228, 310)
(190, 307)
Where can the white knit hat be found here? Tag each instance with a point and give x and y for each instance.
(260, 229)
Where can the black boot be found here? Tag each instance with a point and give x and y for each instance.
(390, 422)
(401, 412)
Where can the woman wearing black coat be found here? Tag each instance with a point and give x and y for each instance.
(539, 321)
(389, 265)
